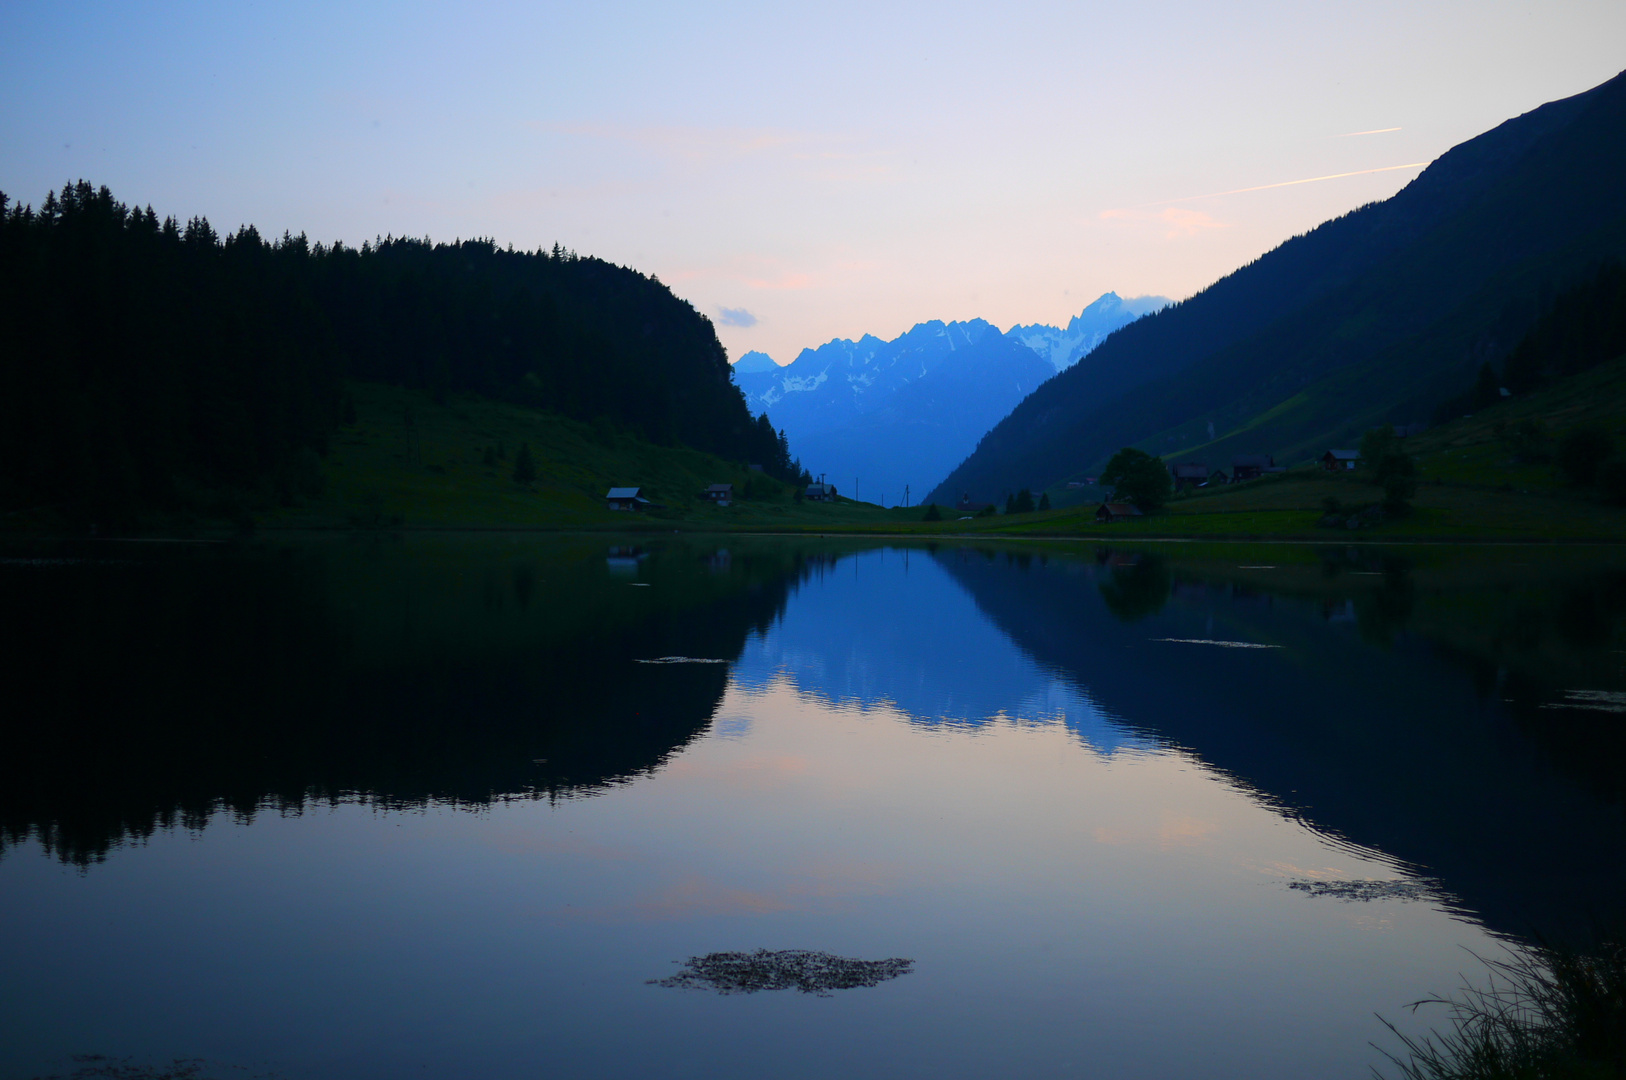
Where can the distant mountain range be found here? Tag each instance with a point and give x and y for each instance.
(1089, 328)
(1377, 316)
(886, 414)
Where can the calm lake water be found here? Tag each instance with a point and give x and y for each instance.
(385, 807)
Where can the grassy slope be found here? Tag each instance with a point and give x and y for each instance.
(374, 479)
(1468, 489)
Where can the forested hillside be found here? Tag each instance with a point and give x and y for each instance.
(1379, 315)
(150, 366)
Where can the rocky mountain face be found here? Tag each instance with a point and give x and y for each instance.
(885, 414)
(1089, 328)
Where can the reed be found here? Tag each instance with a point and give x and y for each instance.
(1546, 1013)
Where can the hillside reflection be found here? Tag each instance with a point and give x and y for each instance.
(1455, 709)
(169, 684)
(1420, 703)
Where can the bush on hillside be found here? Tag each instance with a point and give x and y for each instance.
(1581, 452)
(1137, 477)
(1392, 468)
(524, 467)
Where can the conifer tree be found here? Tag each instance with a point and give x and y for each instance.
(524, 467)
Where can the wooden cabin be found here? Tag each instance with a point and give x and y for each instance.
(1340, 460)
(721, 494)
(966, 506)
(1189, 474)
(820, 492)
(1108, 512)
(1251, 466)
(626, 498)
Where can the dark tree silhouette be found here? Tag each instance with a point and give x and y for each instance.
(524, 467)
(149, 366)
(1137, 477)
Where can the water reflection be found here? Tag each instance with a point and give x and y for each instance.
(1456, 710)
(165, 687)
(1428, 734)
(1070, 784)
(873, 637)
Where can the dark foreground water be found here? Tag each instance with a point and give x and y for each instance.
(426, 807)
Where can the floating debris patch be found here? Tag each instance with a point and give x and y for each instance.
(785, 969)
(1593, 700)
(679, 660)
(1362, 890)
(1221, 644)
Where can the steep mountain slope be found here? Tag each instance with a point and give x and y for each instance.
(887, 414)
(1374, 316)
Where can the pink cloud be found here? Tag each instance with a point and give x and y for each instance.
(1182, 223)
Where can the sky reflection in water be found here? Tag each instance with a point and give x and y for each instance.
(887, 775)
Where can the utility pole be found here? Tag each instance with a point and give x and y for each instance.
(906, 496)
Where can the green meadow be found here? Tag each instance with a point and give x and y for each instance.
(409, 461)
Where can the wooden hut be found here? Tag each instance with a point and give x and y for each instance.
(1108, 512)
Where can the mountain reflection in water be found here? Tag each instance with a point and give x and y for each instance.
(1070, 783)
(1409, 708)
(1406, 705)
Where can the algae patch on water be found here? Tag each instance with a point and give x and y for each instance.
(786, 969)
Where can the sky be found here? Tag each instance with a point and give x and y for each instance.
(798, 172)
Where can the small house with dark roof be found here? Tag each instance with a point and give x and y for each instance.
(721, 494)
(1109, 512)
(1251, 466)
(626, 498)
(1218, 476)
(966, 506)
(1189, 474)
(820, 492)
(1340, 460)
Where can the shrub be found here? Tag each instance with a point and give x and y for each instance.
(1137, 477)
(932, 513)
(524, 467)
(1580, 452)
(1392, 468)
(1612, 481)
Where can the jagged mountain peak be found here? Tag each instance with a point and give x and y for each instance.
(754, 361)
(1086, 330)
(906, 411)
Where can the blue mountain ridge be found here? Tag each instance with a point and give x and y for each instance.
(875, 416)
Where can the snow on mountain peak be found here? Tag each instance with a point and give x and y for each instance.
(1086, 330)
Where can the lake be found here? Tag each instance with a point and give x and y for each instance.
(508, 805)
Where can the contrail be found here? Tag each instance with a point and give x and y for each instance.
(1374, 131)
(1284, 183)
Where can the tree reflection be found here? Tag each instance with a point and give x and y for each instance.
(1139, 584)
(169, 688)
